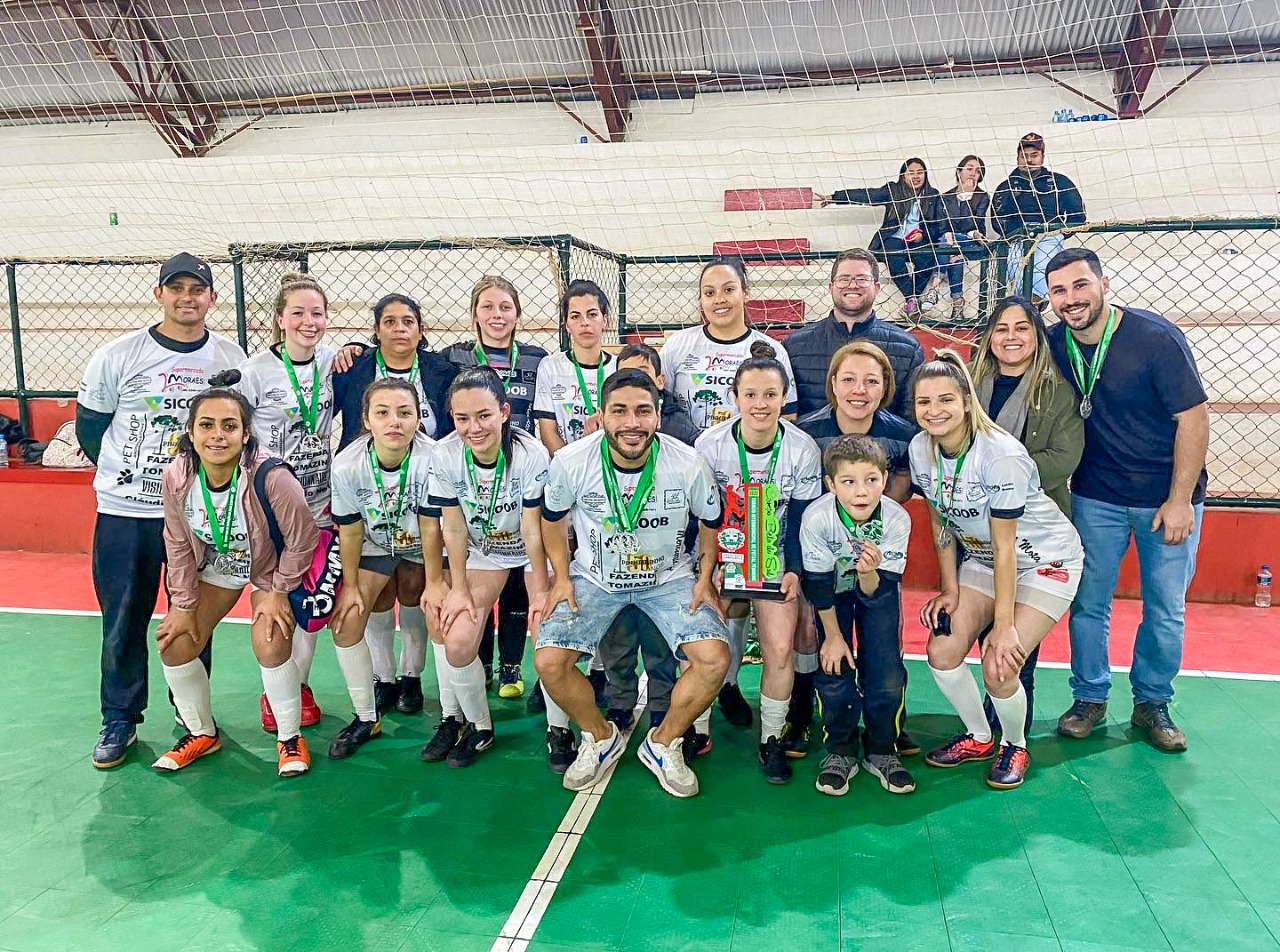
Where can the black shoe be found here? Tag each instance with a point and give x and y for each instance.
(734, 706)
(777, 768)
(537, 704)
(562, 749)
(695, 745)
(113, 744)
(471, 744)
(354, 736)
(385, 695)
(409, 695)
(906, 745)
(599, 683)
(623, 719)
(1153, 717)
(795, 740)
(442, 741)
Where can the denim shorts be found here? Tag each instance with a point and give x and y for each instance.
(667, 606)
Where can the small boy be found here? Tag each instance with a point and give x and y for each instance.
(854, 544)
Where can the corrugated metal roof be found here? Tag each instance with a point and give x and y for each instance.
(44, 61)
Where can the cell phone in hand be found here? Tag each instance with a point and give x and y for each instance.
(943, 625)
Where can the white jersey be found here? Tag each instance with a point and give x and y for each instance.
(228, 569)
(430, 425)
(146, 382)
(356, 496)
(558, 397)
(522, 483)
(278, 422)
(699, 372)
(828, 546)
(797, 474)
(997, 479)
(682, 487)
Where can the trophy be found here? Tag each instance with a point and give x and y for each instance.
(748, 542)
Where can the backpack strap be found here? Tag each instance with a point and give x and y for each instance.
(260, 489)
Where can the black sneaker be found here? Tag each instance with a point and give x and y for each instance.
(906, 745)
(889, 771)
(354, 736)
(562, 749)
(795, 740)
(537, 704)
(734, 706)
(695, 745)
(385, 695)
(599, 683)
(834, 774)
(471, 744)
(777, 768)
(113, 744)
(409, 695)
(442, 741)
(621, 717)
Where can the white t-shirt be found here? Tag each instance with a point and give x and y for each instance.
(430, 426)
(356, 496)
(998, 479)
(146, 382)
(699, 372)
(558, 397)
(827, 545)
(278, 422)
(228, 569)
(797, 474)
(521, 488)
(682, 486)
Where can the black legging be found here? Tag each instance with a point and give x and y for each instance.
(513, 623)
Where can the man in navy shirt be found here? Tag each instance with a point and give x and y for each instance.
(1142, 476)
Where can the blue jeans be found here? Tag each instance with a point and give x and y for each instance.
(1166, 572)
(1046, 248)
(955, 264)
(910, 265)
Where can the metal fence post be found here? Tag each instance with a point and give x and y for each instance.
(563, 246)
(242, 318)
(622, 298)
(15, 325)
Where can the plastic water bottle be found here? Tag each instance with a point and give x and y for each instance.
(1262, 597)
(4, 451)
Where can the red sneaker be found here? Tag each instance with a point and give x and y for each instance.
(960, 750)
(1010, 768)
(310, 709)
(268, 716)
(189, 748)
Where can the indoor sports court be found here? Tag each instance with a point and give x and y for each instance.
(412, 147)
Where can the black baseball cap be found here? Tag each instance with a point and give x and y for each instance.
(187, 264)
(1032, 140)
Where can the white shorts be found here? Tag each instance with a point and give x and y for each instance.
(1048, 589)
(230, 582)
(476, 559)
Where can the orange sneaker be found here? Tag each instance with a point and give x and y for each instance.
(310, 709)
(960, 750)
(293, 756)
(189, 747)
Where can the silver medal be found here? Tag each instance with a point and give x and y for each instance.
(311, 443)
(623, 543)
(226, 564)
(1086, 407)
(946, 538)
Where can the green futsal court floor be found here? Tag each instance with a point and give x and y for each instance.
(1110, 845)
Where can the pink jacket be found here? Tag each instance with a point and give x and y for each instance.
(268, 572)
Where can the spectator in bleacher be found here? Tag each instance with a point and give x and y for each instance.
(1142, 476)
(131, 410)
(855, 282)
(1033, 198)
(964, 210)
(909, 230)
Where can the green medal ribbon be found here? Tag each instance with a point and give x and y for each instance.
(582, 384)
(310, 414)
(221, 531)
(382, 366)
(742, 454)
(1086, 376)
(382, 490)
(501, 467)
(955, 482)
(870, 531)
(626, 514)
(483, 360)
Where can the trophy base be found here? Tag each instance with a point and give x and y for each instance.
(772, 591)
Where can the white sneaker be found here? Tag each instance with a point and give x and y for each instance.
(667, 764)
(594, 758)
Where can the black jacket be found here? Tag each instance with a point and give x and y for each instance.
(348, 390)
(811, 348)
(961, 217)
(1041, 198)
(677, 422)
(896, 199)
(520, 388)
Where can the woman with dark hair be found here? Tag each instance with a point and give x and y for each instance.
(217, 541)
(486, 487)
(964, 210)
(909, 230)
(566, 399)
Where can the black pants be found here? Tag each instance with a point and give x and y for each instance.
(632, 633)
(910, 266)
(513, 623)
(873, 691)
(128, 555)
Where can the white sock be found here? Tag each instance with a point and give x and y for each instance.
(357, 671)
(380, 636)
(468, 685)
(737, 644)
(702, 723)
(190, 686)
(1012, 712)
(448, 698)
(805, 663)
(557, 716)
(413, 641)
(284, 691)
(773, 715)
(959, 687)
(304, 650)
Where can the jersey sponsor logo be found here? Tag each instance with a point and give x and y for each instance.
(162, 402)
(592, 500)
(673, 499)
(182, 378)
(558, 390)
(723, 381)
(276, 395)
(1054, 572)
(136, 384)
(959, 513)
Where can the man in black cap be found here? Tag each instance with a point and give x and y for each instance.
(1032, 197)
(131, 410)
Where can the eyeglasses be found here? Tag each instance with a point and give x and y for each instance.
(858, 280)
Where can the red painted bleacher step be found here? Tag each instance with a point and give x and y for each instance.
(767, 199)
(749, 250)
